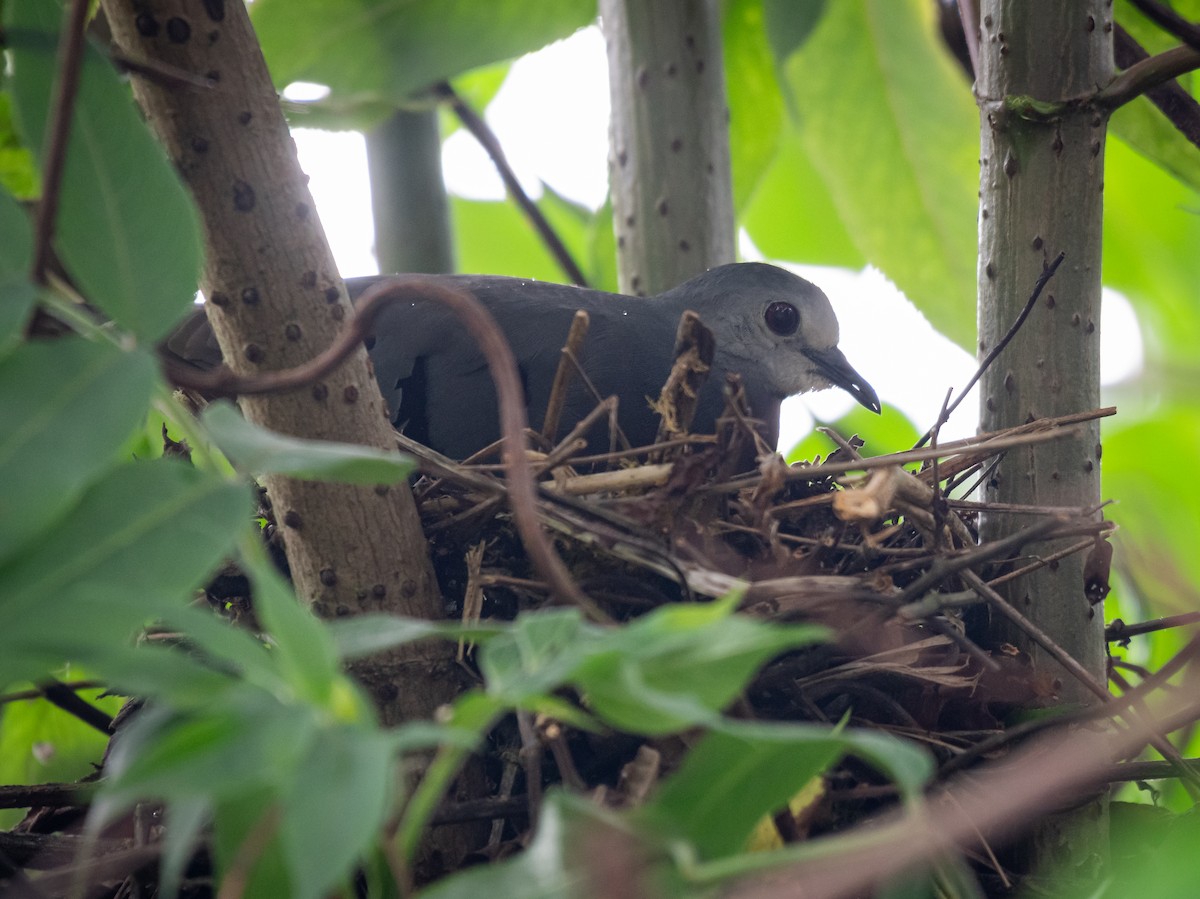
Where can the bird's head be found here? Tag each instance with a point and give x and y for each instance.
(776, 327)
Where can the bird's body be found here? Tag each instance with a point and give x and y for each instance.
(775, 329)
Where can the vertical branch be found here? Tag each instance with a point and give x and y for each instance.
(408, 197)
(1041, 186)
(669, 148)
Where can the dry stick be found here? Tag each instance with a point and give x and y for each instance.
(1189, 779)
(606, 408)
(1038, 636)
(1073, 667)
(1042, 562)
(1119, 630)
(531, 754)
(982, 445)
(562, 376)
(1047, 273)
(479, 129)
(66, 86)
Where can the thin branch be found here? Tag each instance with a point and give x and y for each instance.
(1147, 75)
(1119, 631)
(1047, 273)
(1179, 106)
(58, 129)
(62, 696)
(478, 128)
(1170, 21)
(562, 375)
(968, 13)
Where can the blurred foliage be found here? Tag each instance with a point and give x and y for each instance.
(853, 140)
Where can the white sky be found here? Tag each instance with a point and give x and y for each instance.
(551, 117)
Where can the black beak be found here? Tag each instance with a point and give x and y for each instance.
(833, 364)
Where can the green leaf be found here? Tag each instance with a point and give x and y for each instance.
(364, 635)
(496, 238)
(1150, 133)
(792, 214)
(18, 175)
(561, 861)
(1142, 464)
(258, 451)
(137, 543)
(789, 25)
(389, 49)
(900, 158)
(304, 650)
(889, 432)
(735, 777)
(40, 743)
(755, 104)
(1151, 231)
(332, 814)
(676, 667)
(126, 229)
(223, 752)
(68, 406)
(699, 655)
(16, 292)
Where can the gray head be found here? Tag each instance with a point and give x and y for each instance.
(775, 324)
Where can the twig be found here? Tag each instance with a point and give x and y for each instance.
(983, 445)
(1119, 631)
(1179, 106)
(562, 376)
(20, 695)
(1042, 562)
(479, 129)
(58, 128)
(531, 753)
(1170, 21)
(1147, 75)
(1036, 634)
(968, 13)
(1047, 273)
(62, 696)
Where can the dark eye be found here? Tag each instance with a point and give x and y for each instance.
(782, 318)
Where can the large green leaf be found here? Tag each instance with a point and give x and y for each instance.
(388, 49)
(792, 214)
(18, 175)
(497, 239)
(68, 405)
(16, 292)
(676, 667)
(1143, 461)
(137, 543)
(1140, 124)
(258, 451)
(574, 838)
(126, 228)
(755, 104)
(889, 124)
(722, 789)
(1151, 235)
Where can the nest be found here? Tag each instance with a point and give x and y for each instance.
(880, 550)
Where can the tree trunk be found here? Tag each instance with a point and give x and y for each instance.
(1041, 183)
(669, 147)
(408, 195)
